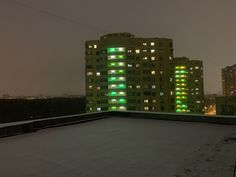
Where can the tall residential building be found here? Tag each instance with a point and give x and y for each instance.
(128, 73)
(229, 80)
(188, 84)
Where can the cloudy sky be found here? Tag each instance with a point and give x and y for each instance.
(42, 41)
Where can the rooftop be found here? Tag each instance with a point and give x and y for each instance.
(122, 146)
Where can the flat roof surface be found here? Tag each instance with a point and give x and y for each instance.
(122, 147)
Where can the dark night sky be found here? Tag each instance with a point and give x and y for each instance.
(42, 53)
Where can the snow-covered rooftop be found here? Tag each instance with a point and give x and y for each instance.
(122, 147)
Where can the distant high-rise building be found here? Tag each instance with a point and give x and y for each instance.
(128, 73)
(188, 83)
(229, 80)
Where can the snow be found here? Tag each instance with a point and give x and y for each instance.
(122, 147)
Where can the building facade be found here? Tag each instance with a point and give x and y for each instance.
(128, 73)
(229, 80)
(188, 84)
(226, 105)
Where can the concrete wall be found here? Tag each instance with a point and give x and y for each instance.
(10, 129)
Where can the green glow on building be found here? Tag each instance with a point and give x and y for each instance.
(112, 79)
(115, 49)
(112, 93)
(122, 101)
(116, 57)
(121, 71)
(121, 86)
(116, 54)
(181, 88)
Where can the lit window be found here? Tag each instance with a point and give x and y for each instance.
(113, 101)
(137, 51)
(197, 89)
(98, 109)
(146, 108)
(138, 86)
(153, 86)
(196, 67)
(161, 72)
(121, 86)
(98, 73)
(121, 64)
(112, 72)
(153, 72)
(144, 50)
(113, 108)
(90, 86)
(171, 79)
(121, 93)
(112, 86)
(122, 100)
(121, 108)
(130, 86)
(145, 101)
(90, 109)
(196, 80)
(98, 88)
(154, 101)
(145, 58)
(170, 57)
(161, 93)
(119, 49)
(137, 65)
(121, 78)
(153, 58)
(198, 102)
(171, 93)
(129, 51)
(144, 44)
(111, 57)
(95, 46)
(191, 68)
(89, 73)
(90, 46)
(129, 65)
(152, 43)
(152, 50)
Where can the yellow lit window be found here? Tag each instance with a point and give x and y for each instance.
(153, 58)
(89, 73)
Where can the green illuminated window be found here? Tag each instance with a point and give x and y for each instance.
(121, 86)
(178, 110)
(121, 71)
(116, 64)
(112, 79)
(111, 64)
(112, 93)
(115, 49)
(122, 100)
(113, 108)
(115, 57)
